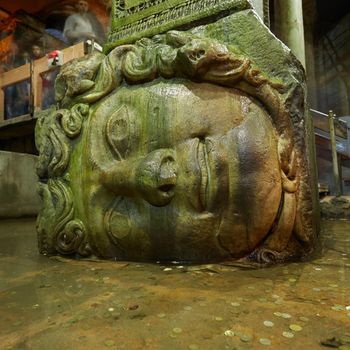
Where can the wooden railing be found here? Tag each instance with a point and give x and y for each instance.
(38, 68)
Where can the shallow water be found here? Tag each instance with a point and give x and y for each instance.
(56, 303)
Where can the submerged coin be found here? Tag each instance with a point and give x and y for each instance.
(229, 333)
(288, 335)
(285, 315)
(265, 341)
(278, 314)
(245, 337)
(268, 324)
(295, 327)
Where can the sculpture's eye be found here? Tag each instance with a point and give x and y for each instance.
(118, 133)
(117, 221)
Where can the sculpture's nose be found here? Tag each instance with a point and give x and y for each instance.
(152, 177)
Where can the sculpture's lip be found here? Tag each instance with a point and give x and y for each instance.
(203, 163)
(213, 184)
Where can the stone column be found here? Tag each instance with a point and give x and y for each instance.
(310, 11)
(259, 8)
(290, 26)
(262, 9)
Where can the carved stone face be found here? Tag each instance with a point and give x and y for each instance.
(177, 170)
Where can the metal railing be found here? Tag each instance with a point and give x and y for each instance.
(336, 127)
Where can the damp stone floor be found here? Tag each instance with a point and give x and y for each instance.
(56, 303)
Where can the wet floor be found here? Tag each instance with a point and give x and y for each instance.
(54, 303)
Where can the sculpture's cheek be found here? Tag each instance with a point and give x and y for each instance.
(255, 187)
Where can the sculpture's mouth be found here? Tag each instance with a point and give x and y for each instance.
(203, 162)
(213, 184)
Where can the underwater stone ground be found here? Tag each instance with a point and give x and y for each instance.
(56, 303)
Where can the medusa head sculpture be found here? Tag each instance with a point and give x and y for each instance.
(174, 148)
